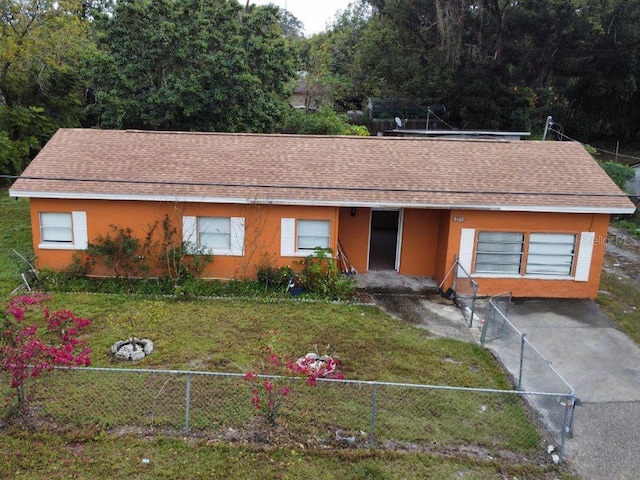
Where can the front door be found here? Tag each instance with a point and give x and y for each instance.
(383, 239)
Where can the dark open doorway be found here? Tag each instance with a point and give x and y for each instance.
(383, 244)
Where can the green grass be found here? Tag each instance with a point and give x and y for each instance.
(621, 302)
(89, 455)
(224, 336)
(15, 234)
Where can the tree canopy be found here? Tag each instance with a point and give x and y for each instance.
(232, 66)
(43, 46)
(191, 65)
(497, 63)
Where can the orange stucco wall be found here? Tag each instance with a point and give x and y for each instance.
(420, 236)
(431, 238)
(262, 228)
(530, 222)
(442, 267)
(354, 236)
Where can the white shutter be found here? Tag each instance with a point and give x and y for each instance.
(583, 265)
(465, 256)
(189, 229)
(237, 236)
(287, 237)
(80, 235)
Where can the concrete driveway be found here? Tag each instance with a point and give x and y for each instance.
(603, 366)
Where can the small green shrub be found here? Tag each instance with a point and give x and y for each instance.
(321, 277)
(267, 272)
(118, 250)
(179, 259)
(619, 173)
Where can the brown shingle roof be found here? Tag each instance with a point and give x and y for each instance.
(328, 170)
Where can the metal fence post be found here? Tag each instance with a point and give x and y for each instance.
(488, 319)
(474, 287)
(187, 403)
(522, 341)
(567, 424)
(374, 402)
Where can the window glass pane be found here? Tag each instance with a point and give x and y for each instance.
(500, 247)
(313, 234)
(552, 238)
(550, 248)
(550, 254)
(56, 227)
(499, 252)
(497, 263)
(214, 233)
(500, 237)
(548, 269)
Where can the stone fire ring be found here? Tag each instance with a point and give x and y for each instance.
(132, 349)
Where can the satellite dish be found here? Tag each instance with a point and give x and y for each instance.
(398, 122)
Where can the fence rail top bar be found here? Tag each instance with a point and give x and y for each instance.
(324, 380)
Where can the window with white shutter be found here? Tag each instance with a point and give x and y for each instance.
(543, 255)
(300, 237)
(63, 230)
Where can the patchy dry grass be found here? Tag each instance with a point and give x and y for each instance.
(620, 299)
(89, 455)
(620, 282)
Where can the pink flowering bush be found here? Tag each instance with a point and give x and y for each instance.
(272, 386)
(29, 346)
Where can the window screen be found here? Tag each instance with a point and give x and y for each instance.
(499, 252)
(56, 228)
(313, 234)
(214, 233)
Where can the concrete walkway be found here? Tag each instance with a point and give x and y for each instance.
(603, 366)
(390, 281)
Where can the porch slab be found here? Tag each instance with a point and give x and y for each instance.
(390, 281)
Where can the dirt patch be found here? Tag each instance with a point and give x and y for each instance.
(623, 255)
(438, 316)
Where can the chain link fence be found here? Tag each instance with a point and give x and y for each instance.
(530, 370)
(369, 414)
(466, 293)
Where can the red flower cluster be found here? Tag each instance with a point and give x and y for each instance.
(29, 350)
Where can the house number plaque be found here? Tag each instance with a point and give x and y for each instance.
(458, 219)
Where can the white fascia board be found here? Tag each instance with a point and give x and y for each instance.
(319, 203)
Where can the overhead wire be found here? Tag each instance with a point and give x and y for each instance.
(310, 187)
(561, 134)
(431, 112)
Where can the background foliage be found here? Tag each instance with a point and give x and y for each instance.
(223, 65)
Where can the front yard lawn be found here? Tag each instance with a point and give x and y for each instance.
(224, 336)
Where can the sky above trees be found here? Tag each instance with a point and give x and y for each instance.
(314, 14)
